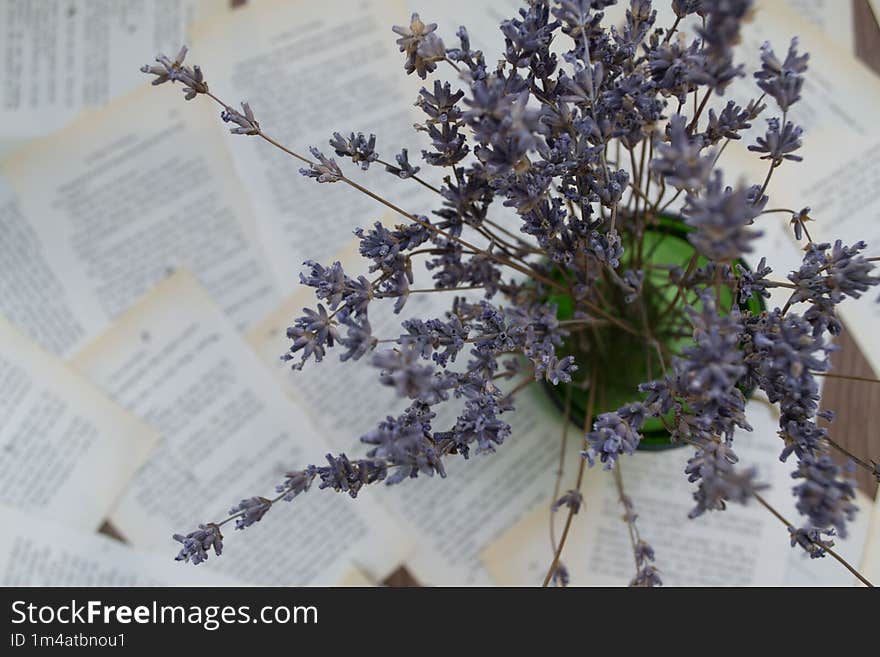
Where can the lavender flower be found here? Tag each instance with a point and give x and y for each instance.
(360, 149)
(247, 124)
(830, 273)
(723, 218)
(402, 370)
(403, 169)
(680, 161)
(169, 70)
(615, 433)
(312, 334)
(325, 169)
(719, 481)
(798, 221)
(296, 482)
(811, 541)
(196, 544)
(251, 510)
(732, 120)
(423, 48)
(561, 576)
(572, 500)
(753, 282)
(824, 496)
(647, 576)
(779, 144)
(782, 80)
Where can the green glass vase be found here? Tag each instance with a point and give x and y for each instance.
(622, 360)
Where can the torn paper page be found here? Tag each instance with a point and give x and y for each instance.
(66, 451)
(107, 208)
(228, 433)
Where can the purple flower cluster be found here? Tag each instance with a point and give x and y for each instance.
(583, 136)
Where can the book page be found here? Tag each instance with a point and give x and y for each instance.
(108, 207)
(452, 520)
(833, 17)
(31, 554)
(66, 451)
(33, 292)
(871, 561)
(59, 58)
(741, 546)
(309, 70)
(228, 433)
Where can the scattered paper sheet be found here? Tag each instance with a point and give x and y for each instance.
(871, 562)
(35, 551)
(228, 433)
(354, 577)
(66, 451)
(108, 207)
(302, 91)
(833, 17)
(59, 58)
(742, 546)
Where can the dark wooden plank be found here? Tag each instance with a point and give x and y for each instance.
(867, 34)
(857, 405)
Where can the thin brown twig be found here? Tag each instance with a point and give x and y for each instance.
(580, 477)
(825, 547)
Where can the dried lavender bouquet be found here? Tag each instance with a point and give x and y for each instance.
(590, 149)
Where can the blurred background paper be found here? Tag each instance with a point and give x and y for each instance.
(66, 451)
(871, 562)
(833, 17)
(109, 206)
(228, 433)
(35, 551)
(60, 57)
